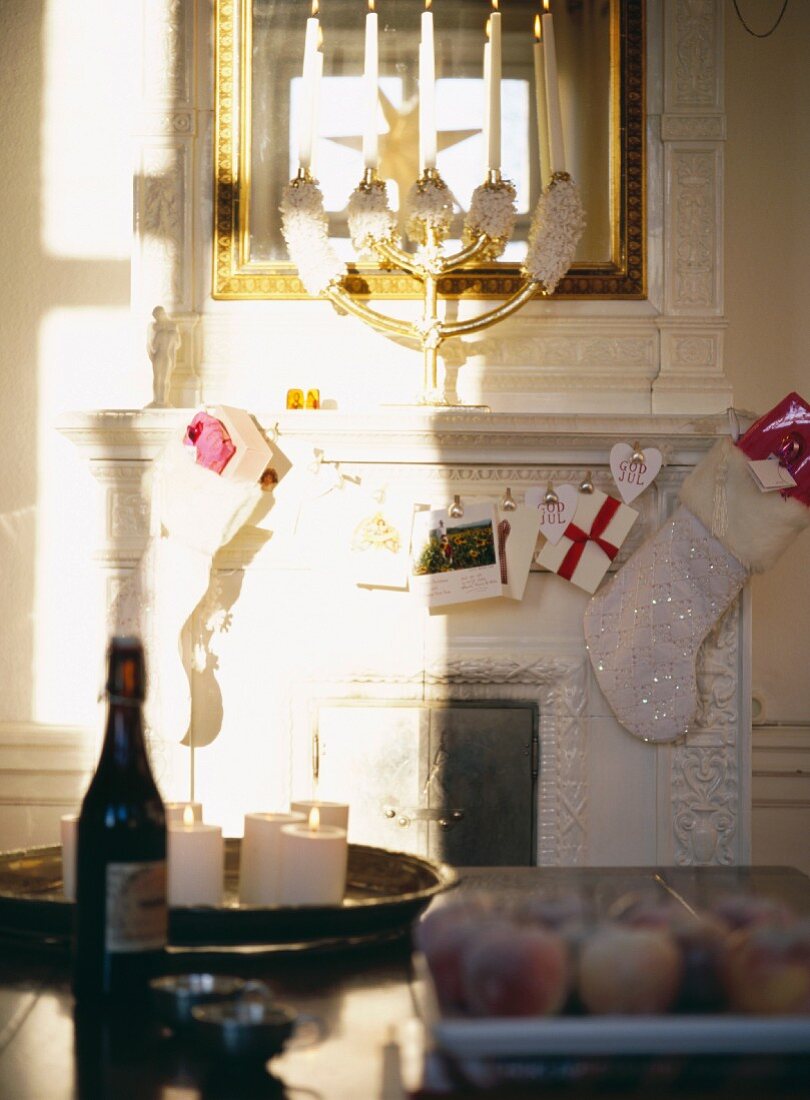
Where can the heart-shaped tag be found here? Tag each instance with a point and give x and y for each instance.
(632, 478)
(554, 517)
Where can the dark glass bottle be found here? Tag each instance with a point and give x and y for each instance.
(121, 911)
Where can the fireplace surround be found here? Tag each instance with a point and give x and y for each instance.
(277, 637)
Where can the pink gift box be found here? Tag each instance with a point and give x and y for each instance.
(784, 432)
(253, 452)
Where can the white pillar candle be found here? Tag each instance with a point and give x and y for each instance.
(329, 813)
(308, 89)
(196, 858)
(427, 93)
(542, 105)
(494, 135)
(175, 811)
(371, 74)
(313, 864)
(68, 824)
(555, 130)
(260, 858)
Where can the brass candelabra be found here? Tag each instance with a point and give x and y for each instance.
(558, 205)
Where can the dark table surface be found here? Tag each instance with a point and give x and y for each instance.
(364, 998)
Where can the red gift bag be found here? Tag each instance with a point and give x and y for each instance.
(785, 433)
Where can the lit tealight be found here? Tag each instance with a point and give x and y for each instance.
(196, 858)
(313, 862)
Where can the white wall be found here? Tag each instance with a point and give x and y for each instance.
(67, 79)
(768, 298)
(67, 84)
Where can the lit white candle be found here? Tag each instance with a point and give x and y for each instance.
(487, 101)
(175, 811)
(260, 858)
(542, 105)
(427, 92)
(316, 99)
(195, 855)
(371, 74)
(308, 89)
(555, 130)
(329, 813)
(68, 824)
(494, 90)
(313, 863)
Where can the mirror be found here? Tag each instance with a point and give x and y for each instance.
(259, 50)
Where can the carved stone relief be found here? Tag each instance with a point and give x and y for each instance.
(161, 193)
(694, 229)
(705, 768)
(167, 59)
(695, 54)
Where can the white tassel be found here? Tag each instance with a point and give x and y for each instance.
(370, 216)
(492, 212)
(306, 231)
(555, 231)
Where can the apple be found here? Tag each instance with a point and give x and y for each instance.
(515, 970)
(629, 970)
(767, 970)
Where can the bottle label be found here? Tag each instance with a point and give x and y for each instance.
(137, 916)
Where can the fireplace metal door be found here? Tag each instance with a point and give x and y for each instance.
(455, 781)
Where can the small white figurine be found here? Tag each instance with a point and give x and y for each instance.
(163, 343)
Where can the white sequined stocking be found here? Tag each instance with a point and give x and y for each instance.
(644, 631)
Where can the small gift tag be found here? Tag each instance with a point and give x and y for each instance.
(454, 559)
(633, 470)
(554, 516)
(770, 475)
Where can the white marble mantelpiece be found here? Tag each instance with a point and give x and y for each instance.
(282, 630)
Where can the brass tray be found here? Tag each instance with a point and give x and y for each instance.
(385, 892)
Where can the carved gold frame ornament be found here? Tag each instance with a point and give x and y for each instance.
(235, 277)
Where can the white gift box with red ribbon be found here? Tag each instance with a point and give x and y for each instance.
(253, 452)
(590, 541)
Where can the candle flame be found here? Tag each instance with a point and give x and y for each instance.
(546, 5)
(495, 5)
(188, 816)
(538, 32)
(314, 819)
(371, 5)
(427, 4)
(315, 6)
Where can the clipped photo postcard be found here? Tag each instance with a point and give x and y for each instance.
(454, 559)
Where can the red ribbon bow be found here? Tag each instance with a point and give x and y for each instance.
(580, 538)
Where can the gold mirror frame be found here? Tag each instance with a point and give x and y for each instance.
(234, 277)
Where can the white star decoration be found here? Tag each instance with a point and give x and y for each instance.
(399, 145)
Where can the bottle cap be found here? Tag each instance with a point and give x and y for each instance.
(126, 671)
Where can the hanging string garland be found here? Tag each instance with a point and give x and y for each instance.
(758, 34)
